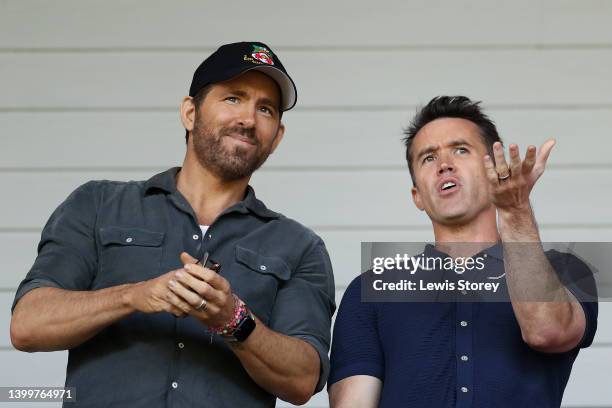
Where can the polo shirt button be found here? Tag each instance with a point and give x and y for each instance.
(464, 389)
(464, 358)
(181, 345)
(263, 267)
(196, 237)
(129, 239)
(174, 385)
(464, 323)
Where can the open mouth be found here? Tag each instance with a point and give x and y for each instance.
(448, 187)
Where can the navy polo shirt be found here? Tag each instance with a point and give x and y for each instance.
(453, 354)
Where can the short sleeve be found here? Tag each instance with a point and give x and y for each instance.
(305, 305)
(67, 256)
(356, 348)
(578, 278)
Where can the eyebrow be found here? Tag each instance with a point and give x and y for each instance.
(433, 148)
(236, 91)
(262, 101)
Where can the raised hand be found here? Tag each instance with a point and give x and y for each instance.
(512, 184)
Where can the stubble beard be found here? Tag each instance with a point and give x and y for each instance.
(227, 163)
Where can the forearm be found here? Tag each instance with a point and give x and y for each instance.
(284, 366)
(48, 319)
(549, 317)
(359, 391)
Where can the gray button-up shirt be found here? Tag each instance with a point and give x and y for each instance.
(109, 233)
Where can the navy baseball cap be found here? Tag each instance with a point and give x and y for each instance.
(231, 60)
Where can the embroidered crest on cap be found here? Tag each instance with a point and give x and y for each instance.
(262, 54)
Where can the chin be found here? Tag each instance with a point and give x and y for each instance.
(451, 217)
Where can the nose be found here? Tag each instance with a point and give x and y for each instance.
(446, 165)
(246, 116)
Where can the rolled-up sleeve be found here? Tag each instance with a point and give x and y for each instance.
(67, 256)
(305, 305)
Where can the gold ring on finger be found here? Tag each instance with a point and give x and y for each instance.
(202, 306)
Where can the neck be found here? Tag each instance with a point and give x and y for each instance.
(208, 195)
(469, 238)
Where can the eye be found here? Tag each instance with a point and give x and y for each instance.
(428, 158)
(232, 99)
(266, 110)
(462, 150)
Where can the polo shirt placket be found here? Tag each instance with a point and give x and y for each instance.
(463, 347)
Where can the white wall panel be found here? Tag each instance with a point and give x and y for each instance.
(320, 198)
(313, 24)
(324, 78)
(313, 138)
(589, 383)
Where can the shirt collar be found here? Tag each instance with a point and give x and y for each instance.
(166, 182)
(495, 251)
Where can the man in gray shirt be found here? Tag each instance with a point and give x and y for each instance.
(185, 290)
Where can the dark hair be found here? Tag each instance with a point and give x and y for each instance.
(450, 107)
(198, 98)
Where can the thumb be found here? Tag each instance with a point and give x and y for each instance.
(545, 150)
(187, 259)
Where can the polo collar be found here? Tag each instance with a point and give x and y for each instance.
(495, 251)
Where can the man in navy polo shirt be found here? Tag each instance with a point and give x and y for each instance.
(468, 354)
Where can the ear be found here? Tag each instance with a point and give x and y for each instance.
(279, 136)
(416, 198)
(188, 109)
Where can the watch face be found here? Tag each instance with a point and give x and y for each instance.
(245, 329)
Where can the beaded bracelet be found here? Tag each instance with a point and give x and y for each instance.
(241, 311)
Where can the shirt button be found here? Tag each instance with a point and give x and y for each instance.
(263, 267)
(209, 236)
(174, 385)
(464, 323)
(181, 345)
(464, 292)
(464, 358)
(464, 389)
(129, 239)
(195, 237)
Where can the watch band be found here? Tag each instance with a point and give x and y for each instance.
(245, 328)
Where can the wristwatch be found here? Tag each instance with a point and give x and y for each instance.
(244, 329)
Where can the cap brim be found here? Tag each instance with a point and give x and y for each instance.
(285, 83)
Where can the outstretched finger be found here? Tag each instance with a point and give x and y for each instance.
(515, 159)
(501, 167)
(490, 170)
(530, 159)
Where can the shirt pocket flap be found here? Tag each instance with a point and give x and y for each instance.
(269, 265)
(130, 237)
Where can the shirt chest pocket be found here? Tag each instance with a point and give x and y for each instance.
(256, 279)
(128, 255)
